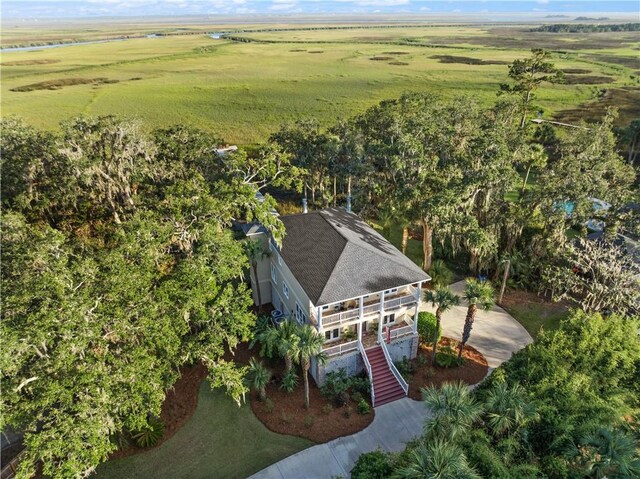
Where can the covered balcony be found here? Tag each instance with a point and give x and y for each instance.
(349, 311)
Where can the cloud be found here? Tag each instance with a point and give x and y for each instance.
(277, 7)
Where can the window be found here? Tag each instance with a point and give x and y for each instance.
(300, 316)
(325, 307)
(391, 291)
(332, 334)
(274, 274)
(285, 289)
(280, 260)
(389, 319)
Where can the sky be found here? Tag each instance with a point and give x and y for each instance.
(33, 9)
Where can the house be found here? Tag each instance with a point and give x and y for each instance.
(337, 273)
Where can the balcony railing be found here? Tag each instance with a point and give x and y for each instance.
(341, 348)
(396, 301)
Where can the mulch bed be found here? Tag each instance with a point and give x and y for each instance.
(473, 370)
(319, 423)
(178, 406)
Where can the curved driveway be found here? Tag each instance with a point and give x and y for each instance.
(496, 334)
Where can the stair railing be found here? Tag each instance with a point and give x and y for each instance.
(392, 367)
(367, 366)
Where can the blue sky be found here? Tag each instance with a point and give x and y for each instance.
(93, 8)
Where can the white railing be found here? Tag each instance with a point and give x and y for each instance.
(367, 366)
(403, 330)
(330, 319)
(392, 367)
(341, 348)
(398, 302)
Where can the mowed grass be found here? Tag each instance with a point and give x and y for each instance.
(220, 440)
(245, 91)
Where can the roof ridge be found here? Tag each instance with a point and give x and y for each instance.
(391, 258)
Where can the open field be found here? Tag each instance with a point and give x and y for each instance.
(243, 91)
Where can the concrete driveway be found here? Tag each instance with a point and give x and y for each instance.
(496, 334)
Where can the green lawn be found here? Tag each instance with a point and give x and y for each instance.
(220, 440)
(414, 247)
(534, 316)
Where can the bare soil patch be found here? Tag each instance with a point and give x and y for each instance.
(61, 83)
(380, 58)
(466, 60)
(398, 63)
(316, 51)
(587, 80)
(298, 50)
(396, 53)
(631, 62)
(178, 406)
(20, 63)
(472, 371)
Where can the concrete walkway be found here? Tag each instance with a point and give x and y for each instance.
(496, 334)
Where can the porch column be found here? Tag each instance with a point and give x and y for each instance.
(418, 303)
(381, 313)
(319, 309)
(360, 308)
(359, 326)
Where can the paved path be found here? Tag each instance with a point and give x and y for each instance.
(496, 334)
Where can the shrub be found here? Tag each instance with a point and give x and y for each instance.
(405, 368)
(286, 418)
(356, 397)
(347, 412)
(289, 381)
(327, 408)
(440, 274)
(309, 420)
(268, 405)
(335, 384)
(360, 384)
(427, 327)
(363, 407)
(151, 435)
(372, 465)
(446, 357)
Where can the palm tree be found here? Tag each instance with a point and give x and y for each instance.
(437, 460)
(453, 410)
(479, 295)
(280, 339)
(308, 345)
(258, 377)
(256, 251)
(607, 453)
(443, 299)
(508, 409)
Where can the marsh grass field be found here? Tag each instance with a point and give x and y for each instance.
(243, 89)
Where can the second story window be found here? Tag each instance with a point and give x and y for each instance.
(300, 316)
(285, 289)
(274, 274)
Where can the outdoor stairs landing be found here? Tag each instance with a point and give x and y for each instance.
(386, 387)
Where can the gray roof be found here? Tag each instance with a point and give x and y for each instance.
(335, 255)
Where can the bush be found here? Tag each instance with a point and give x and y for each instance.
(440, 274)
(372, 465)
(327, 408)
(335, 384)
(356, 397)
(150, 436)
(405, 368)
(308, 421)
(347, 412)
(361, 384)
(268, 405)
(363, 407)
(446, 357)
(289, 381)
(427, 327)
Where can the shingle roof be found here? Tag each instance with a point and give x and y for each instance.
(335, 255)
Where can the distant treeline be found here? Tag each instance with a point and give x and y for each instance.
(587, 28)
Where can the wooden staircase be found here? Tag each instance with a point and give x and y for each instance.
(386, 387)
